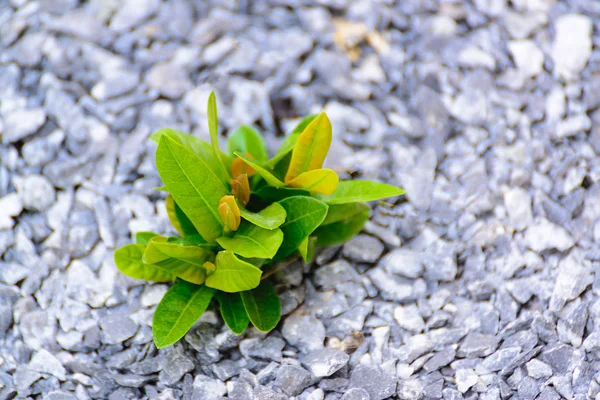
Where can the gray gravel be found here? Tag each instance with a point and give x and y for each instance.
(481, 282)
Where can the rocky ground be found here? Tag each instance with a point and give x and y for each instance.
(482, 283)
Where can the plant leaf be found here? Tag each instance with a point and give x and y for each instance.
(288, 143)
(233, 312)
(361, 191)
(246, 139)
(180, 308)
(193, 185)
(179, 220)
(232, 274)
(129, 260)
(311, 147)
(339, 212)
(144, 237)
(262, 306)
(266, 174)
(271, 193)
(304, 215)
(270, 217)
(183, 261)
(252, 241)
(213, 128)
(342, 230)
(307, 248)
(201, 148)
(323, 181)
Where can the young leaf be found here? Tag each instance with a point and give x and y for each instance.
(271, 193)
(262, 306)
(252, 241)
(183, 261)
(194, 187)
(213, 128)
(179, 220)
(266, 175)
(322, 181)
(233, 312)
(180, 308)
(246, 139)
(304, 215)
(307, 248)
(270, 217)
(240, 188)
(290, 140)
(361, 191)
(128, 260)
(342, 230)
(339, 212)
(232, 274)
(144, 237)
(311, 148)
(201, 148)
(229, 211)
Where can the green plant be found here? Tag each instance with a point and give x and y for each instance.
(240, 215)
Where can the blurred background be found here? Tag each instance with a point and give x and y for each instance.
(482, 282)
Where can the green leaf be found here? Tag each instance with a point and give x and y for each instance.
(311, 148)
(144, 237)
(233, 312)
(339, 212)
(129, 260)
(341, 230)
(361, 191)
(307, 248)
(201, 148)
(288, 143)
(183, 261)
(262, 306)
(194, 186)
(271, 193)
(304, 215)
(263, 172)
(246, 139)
(213, 128)
(180, 308)
(252, 241)
(191, 240)
(270, 217)
(232, 274)
(179, 220)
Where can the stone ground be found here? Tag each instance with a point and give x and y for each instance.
(482, 282)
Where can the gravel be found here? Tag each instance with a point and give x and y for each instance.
(481, 282)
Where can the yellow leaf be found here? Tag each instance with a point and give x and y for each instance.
(239, 167)
(230, 213)
(240, 187)
(323, 181)
(311, 148)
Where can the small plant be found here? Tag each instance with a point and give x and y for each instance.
(241, 215)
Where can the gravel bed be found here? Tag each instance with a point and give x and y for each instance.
(481, 283)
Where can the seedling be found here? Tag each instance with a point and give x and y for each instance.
(239, 215)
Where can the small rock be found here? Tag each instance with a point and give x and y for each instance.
(528, 388)
(325, 362)
(304, 332)
(498, 360)
(378, 384)
(335, 273)
(527, 56)
(19, 124)
(572, 45)
(518, 206)
(440, 359)
(465, 379)
(363, 248)
(36, 191)
(571, 281)
(545, 235)
(117, 328)
(409, 318)
(573, 125)
(266, 349)
(43, 361)
(392, 287)
(206, 388)
(538, 369)
(170, 80)
(410, 389)
(131, 13)
(356, 394)
(11, 205)
(293, 379)
(407, 263)
(478, 345)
